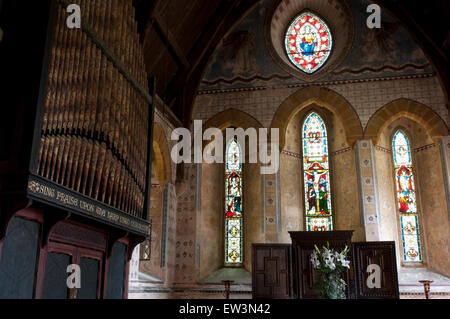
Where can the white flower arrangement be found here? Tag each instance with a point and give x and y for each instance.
(330, 264)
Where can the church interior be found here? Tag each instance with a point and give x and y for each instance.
(94, 91)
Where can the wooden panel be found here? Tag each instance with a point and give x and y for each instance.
(77, 234)
(381, 254)
(271, 270)
(18, 259)
(116, 272)
(90, 269)
(302, 246)
(55, 285)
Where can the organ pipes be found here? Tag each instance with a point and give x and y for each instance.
(95, 118)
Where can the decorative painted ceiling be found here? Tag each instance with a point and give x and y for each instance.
(243, 60)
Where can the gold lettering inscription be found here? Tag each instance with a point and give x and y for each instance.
(100, 211)
(141, 227)
(124, 220)
(37, 188)
(66, 199)
(86, 206)
(113, 216)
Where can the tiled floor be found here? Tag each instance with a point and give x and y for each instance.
(210, 287)
(410, 288)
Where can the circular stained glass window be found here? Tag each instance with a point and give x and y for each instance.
(308, 42)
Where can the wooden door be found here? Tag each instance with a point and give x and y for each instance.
(271, 271)
(71, 243)
(58, 258)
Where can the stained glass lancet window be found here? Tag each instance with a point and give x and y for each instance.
(233, 204)
(308, 42)
(316, 174)
(406, 198)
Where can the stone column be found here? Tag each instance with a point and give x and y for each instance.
(185, 271)
(271, 205)
(368, 192)
(134, 265)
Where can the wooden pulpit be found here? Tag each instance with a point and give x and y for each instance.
(303, 273)
(285, 271)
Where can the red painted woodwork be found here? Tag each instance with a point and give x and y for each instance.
(79, 241)
(28, 213)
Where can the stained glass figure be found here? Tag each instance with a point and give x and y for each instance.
(406, 198)
(233, 204)
(316, 174)
(308, 42)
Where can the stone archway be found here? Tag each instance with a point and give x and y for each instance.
(161, 176)
(211, 239)
(162, 154)
(416, 111)
(232, 117)
(323, 97)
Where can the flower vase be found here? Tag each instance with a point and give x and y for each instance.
(334, 287)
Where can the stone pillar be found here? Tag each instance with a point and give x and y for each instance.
(185, 272)
(368, 192)
(271, 219)
(445, 155)
(271, 205)
(134, 265)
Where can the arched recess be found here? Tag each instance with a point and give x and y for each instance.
(413, 110)
(161, 175)
(211, 225)
(323, 97)
(162, 155)
(232, 117)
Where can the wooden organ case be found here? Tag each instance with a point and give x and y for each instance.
(90, 166)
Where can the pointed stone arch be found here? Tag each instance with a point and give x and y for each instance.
(320, 96)
(213, 193)
(422, 114)
(162, 155)
(232, 117)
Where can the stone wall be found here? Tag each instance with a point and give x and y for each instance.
(273, 204)
(153, 266)
(187, 253)
(365, 97)
(344, 191)
(431, 198)
(211, 232)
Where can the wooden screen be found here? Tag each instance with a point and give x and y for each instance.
(271, 270)
(367, 257)
(116, 272)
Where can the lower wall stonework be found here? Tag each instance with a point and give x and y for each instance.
(434, 210)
